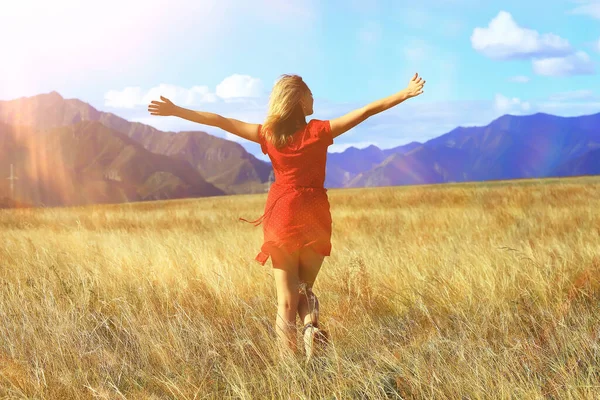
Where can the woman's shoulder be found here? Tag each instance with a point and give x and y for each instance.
(318, 123)
(321, 129)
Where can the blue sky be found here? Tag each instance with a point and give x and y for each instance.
(481, 59)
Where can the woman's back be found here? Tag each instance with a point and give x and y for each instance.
(302, 162)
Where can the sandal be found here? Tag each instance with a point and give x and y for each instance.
(315, 340)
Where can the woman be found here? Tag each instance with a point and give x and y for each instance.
(297, 220)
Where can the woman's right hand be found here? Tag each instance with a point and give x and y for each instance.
(415, 86)
(165, 109)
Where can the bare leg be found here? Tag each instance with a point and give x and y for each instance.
(308, 304)
(285, 271)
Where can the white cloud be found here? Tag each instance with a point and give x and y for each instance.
(238, 85)
(578, 63)
(582, 94)
(503, 39)
(234, 88)
(519, 79)
(131, 97)
(588, 7)
(504, 104)
(568, 109)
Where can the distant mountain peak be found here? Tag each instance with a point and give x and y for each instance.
(53, 96)
(353, 149)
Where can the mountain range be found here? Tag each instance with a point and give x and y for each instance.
(510, 147)
(65, 152)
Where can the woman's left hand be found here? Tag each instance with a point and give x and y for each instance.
(157, 108)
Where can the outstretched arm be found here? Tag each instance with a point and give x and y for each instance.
(346, 122)
(239, 128)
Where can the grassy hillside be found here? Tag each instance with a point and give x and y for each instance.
(481, 290)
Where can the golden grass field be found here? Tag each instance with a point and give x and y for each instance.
(481, 290)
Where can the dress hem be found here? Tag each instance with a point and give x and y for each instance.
(264, 254)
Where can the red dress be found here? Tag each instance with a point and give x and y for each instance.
(297, 209)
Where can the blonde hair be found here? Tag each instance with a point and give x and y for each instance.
(285, 113)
